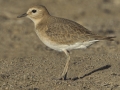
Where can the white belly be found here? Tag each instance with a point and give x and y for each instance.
(77, 45)
(60, 47)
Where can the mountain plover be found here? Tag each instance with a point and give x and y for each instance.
(61, 34)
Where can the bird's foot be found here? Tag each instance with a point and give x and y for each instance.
(63, 77)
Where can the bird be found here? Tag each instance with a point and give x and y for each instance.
(61, 34)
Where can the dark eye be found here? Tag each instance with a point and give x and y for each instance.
(34, 11)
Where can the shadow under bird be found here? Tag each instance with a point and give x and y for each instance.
(61, 34)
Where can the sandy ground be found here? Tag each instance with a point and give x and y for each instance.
(27, 64)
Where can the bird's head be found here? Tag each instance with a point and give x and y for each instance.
(36, 13)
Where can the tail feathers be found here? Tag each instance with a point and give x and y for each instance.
(111, 38)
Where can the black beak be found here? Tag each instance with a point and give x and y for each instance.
(23, 15)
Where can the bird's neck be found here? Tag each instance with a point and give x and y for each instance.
(37, 21)
(40, 21)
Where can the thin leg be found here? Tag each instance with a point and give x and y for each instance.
(64, 74)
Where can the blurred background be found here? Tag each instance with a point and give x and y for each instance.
(27, 64)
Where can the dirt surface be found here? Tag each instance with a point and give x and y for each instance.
(27, 64)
